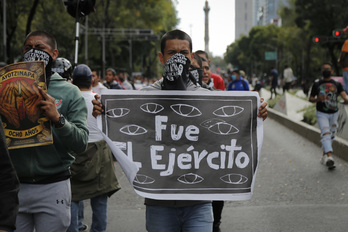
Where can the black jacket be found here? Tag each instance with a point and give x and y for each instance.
(9, 187)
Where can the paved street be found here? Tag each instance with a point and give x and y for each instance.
(293, 192)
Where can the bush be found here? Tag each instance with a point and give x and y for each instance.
(273, 102)
(309, 115)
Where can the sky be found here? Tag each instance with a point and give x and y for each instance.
(221, 23)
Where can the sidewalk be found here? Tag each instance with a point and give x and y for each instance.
(287, 115)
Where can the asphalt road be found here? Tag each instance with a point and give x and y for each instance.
(292, 192)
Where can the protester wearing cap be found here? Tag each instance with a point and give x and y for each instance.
(343, 60)
(93, 172)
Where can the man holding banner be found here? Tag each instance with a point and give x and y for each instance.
(44, 171)
(186, 210)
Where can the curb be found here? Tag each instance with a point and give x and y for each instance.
(340, 146)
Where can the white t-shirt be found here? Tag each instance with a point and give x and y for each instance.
(97, 89)
(288, 74)
(94, 133)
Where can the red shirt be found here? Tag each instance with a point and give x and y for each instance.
(218, 81)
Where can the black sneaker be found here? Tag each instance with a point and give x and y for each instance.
(83, 228)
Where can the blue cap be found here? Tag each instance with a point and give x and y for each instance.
(82, 73)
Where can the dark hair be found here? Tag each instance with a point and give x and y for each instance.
(200, 52)
(198, 59)
(50, 38)
(82, 83)
(236, 71)
(175, 34)
(97, 71)
(326, 63)
(111, 70)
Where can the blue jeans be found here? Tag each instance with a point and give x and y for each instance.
(99, 208)
(196, 218)
(345, 81)
(328, 127)
(75, 216)
(99, 218)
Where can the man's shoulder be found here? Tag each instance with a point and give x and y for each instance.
(155, 86)
(58, 88)
(100, 85)
(215, 76)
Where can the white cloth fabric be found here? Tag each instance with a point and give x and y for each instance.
(288, 74)
(94, 133)
(97, 89)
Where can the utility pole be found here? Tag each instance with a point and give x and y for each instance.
(206, 36)
(4, 29)
(86, 41)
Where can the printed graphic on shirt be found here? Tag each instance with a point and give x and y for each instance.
(330, 92)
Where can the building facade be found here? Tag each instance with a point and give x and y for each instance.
(250, 13)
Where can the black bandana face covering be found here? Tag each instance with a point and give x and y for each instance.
(34, 54)
(326, 73)
(197, 74)
(176, 74)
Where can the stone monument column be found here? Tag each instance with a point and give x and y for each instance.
(206, 36)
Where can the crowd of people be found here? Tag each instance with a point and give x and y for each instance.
(46, 185)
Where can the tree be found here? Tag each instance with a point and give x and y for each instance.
(302, 19)
(317, 17)
(158, 15)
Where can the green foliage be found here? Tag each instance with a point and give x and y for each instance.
(301, 20)
(51, 16)
(272, 102)
(309, 115)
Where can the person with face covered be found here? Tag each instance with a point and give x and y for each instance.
(216, 81)
(196, 69)
(237, 83)
(44, 171)
(177, 215)
(324, 93)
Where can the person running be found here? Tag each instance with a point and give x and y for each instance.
(324, 93)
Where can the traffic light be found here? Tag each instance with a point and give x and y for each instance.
(320, 39)
(338, 33)
(79, 8)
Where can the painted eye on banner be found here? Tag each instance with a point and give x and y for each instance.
(152, 108)
(211, 122)
(133, 130)
(190, 178)
(143, 179)
(186, 110)
(223, 128)
(228, 111)
(234, 178)
(117, 112)
(219, 126)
